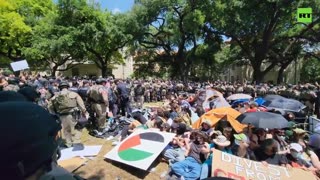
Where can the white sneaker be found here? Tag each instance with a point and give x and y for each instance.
(109, 138)
(115, 143)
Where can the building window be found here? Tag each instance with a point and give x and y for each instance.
(75, 72)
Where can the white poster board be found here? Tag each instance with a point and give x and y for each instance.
(74, 152)
(19, 65)
(141, 148)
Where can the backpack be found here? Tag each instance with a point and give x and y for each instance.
(65, 102)
(94, 94)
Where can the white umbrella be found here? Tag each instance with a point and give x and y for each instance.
(238, 96)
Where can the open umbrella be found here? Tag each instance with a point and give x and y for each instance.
(272, 97)
(217, 97)
(263, 120)
(215, 115)
(238, 96)
(279, 102)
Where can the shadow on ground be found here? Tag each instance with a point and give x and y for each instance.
(138, 173)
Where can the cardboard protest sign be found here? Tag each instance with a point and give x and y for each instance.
(226, 165)
(72, 164)
(19, 65)
(74, 152)
(141, 148)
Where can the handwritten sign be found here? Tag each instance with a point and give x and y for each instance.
(226, 165)
(19, 65)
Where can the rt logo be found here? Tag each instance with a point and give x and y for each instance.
(304, 15)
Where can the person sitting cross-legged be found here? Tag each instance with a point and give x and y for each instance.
(190, 168)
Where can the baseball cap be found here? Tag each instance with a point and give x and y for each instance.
(239, 138)
(295, 146)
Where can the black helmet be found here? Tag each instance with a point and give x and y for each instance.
(101, 80)
(32, 143)
(63, 84)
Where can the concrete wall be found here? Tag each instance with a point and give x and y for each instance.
(82, 70)
(125, 70)
(89, 69)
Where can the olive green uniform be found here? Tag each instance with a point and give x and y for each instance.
(98, 95)
(68, 114)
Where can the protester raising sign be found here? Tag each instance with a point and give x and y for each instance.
(226, 165)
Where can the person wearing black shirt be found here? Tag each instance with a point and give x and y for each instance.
(267, 153)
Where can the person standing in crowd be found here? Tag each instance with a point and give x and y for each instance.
(113, 99)
(68, 105)
(53, 86)
(30, 153)
(84, 89)
(75, 86)
(139, 91)
(124, 97)
(98, 96)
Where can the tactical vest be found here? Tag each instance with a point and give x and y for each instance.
(95, 95)
(65, 102)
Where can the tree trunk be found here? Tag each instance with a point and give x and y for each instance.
(257, 75)
(104, 71)
(54, 70)
(281, 71)
(280, 75)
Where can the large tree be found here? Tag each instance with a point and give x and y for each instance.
(174, 30)
(54, 45)
(100, 34)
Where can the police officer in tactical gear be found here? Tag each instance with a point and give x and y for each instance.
(31, 150)
(98, 96)
(68, 105)
(124, 96)
(139, 95)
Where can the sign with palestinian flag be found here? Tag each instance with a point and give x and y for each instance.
(141, 148)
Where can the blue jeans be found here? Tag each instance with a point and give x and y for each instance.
(189, 168)
(174, 155)
(205, 172)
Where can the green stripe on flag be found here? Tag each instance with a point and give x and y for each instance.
(133, 154)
